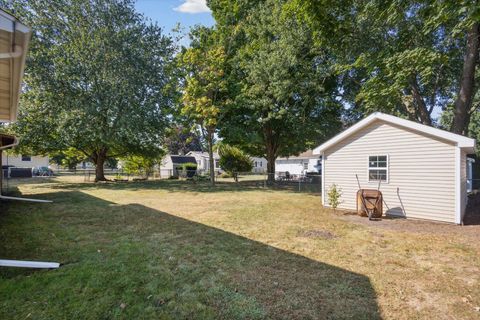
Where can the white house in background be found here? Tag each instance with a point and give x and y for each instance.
(259, 165)
(299, 165)
(422, 170)
(171, 163)
(25, 161)
(203, 160)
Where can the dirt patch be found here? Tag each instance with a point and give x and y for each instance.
(316, 234)
(417, 226)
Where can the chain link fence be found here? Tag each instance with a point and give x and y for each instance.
(311, 183)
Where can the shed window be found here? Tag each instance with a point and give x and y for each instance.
(26, 158)
(305, 166)
(378, 168)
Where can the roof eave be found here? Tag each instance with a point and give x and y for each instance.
(460, 141)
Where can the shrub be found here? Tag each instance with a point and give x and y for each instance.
(140, 165)
(188, 169)
(334, 195)
(234, 160)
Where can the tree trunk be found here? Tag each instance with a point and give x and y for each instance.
(99, 159)
(271, 157)
(210, 157)
(463, 103)
(420, 106)
(271, 153)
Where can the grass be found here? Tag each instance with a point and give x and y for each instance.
(178, 250)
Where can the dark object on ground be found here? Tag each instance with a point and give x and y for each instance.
(472, 212)
(139, 179)
(20, 172)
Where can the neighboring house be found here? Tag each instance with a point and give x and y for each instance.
(25, 161)
(171, 164)
(85, 165)
(203, 160)
(422, 170)
(299, 165)
(259, 165)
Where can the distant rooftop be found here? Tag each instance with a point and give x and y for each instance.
(183, 159)
(304, 155)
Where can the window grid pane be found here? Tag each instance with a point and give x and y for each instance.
(377, 168)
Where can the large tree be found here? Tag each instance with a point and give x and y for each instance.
(285, 101)
(204, 87)
(411, 58)
(97, 79)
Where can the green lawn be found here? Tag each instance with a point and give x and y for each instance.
(178, 250)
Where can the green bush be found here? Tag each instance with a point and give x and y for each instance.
(187, 170)
(234, 160)
(140, 165)
(189, 166)
(334, 195)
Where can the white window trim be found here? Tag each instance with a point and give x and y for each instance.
(387, 168)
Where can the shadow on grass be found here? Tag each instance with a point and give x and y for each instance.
(130, 261)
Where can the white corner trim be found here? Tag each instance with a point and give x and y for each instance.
(458, 187)
(323, 179)
(459, 140)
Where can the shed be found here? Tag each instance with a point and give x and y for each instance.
(422, 170)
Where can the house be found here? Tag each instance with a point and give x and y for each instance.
(202, 160)
(299, 165)
(171, 164)
(14, 41)
(25, 161)
(421, 170)
(259, 165)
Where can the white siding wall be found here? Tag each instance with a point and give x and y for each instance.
(16, 160)
(297, 166)
(421, 171)
(293, 166)
(259, 165)
(166, 163)
(314, 165)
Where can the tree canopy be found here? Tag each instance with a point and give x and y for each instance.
(97, 80)
(283, 99)
(204, 87)
(409, 58)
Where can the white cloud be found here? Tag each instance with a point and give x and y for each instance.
(193, 6)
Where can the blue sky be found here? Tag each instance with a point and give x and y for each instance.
(167, 13)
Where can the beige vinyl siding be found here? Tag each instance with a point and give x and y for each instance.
(421, 171)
